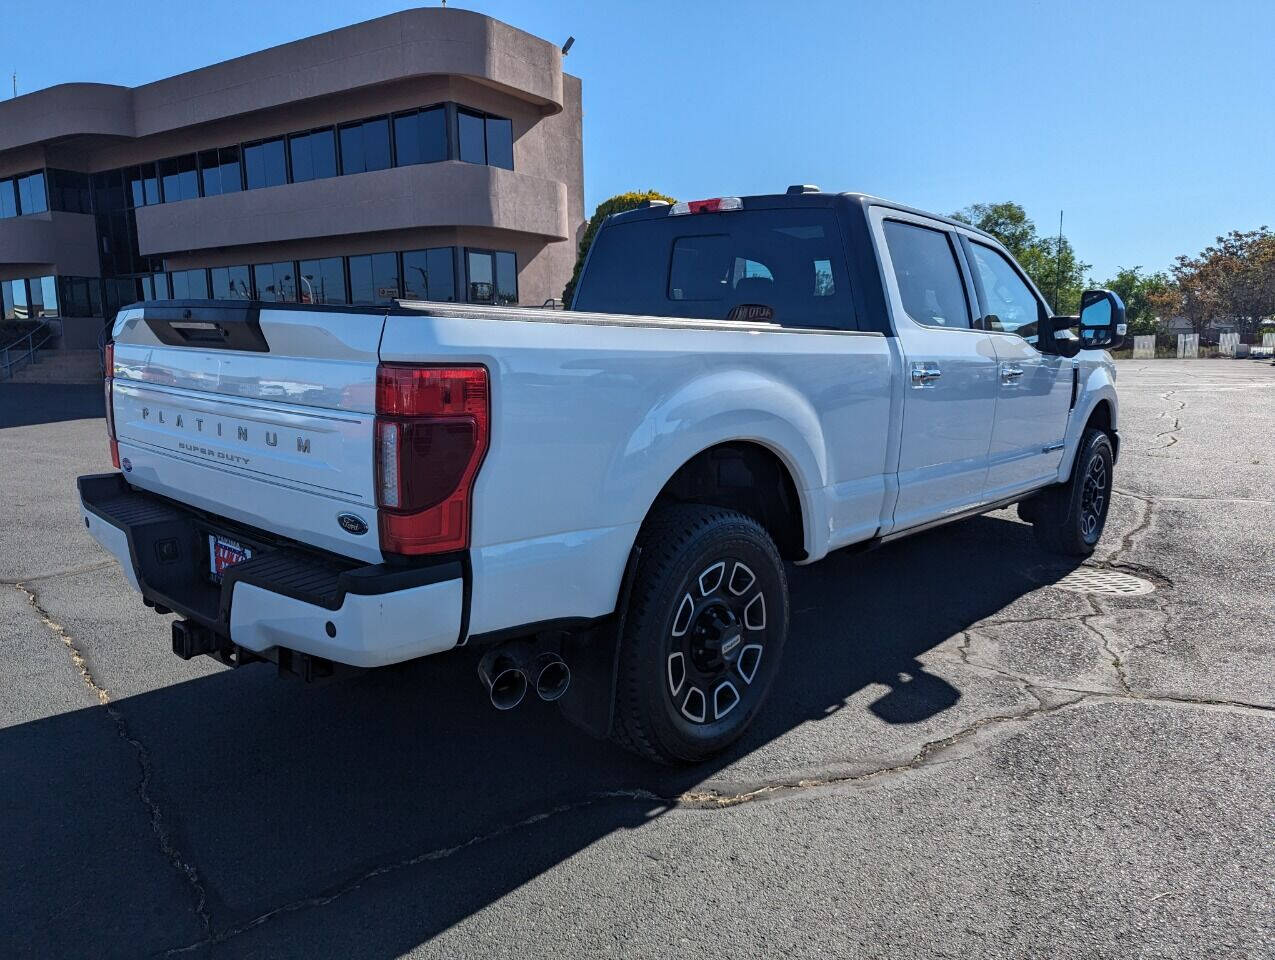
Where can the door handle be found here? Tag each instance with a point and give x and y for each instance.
(924, 373)
(1011, 374)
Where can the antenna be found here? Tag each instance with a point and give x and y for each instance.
(566, 47)
(1058, 265)
(15, 83)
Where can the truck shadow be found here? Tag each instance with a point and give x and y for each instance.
(368, 816)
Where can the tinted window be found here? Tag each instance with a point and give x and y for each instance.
(365, 146)
(275, 282)
(230, 283)
(928, 276)
(313, 155)
(500, 142)
(179, 179)
(704, 265)
(322, 281)
(373, 278)
(44, 296)
(219, 171)
(14, 295)
(472, 136)
(420, 137)
(69, 191)
(506, 278)
(8, 199)
(1011, 306)
(190, 284)
(143, 185)
(429, 274)
(264, 164)
(31, 196)
(480, 273)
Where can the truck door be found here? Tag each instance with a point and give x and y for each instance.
(949, 369)
(1034, 389)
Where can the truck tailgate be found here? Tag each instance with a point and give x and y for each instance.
(261, 416)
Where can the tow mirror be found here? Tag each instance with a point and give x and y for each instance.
(1102, 321)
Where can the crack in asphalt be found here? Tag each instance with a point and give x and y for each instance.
(15, 581)
(1172, 432)
(140, 753)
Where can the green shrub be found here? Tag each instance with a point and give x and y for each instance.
(617, 204)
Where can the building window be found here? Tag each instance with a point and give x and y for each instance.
(485, 139)
(143, 185)
(8, 199)
(155, 287)
(13, 296)
(230, 283)
(31, 195)
(264, 164)
(190, 284)
(179, 180)
(43, 296)
(313, 155)
(275, 282)
(69, 191)
(79, 297)
(420, 136)
(430, 274)
(220, 171)
(491, 276)
(374, 278)
(322, 281)
(365, 146)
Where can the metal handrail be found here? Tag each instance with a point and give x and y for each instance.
(44, 331)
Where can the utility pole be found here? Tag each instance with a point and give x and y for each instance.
(15, 84)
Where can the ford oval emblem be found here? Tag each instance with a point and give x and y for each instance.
(352, 524)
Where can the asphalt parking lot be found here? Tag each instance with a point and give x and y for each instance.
(960, 758)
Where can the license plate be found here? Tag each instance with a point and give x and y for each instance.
(223, 553)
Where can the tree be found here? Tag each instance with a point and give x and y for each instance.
(1051, 262)
(1144, 296)
(617, 204)
(1233, 279)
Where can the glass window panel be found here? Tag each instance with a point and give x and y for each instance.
(230, 283)
(231, 177)
(429, 274)
(407, 140)
(11, 292)
(376, 144)
(421, 137)
(31, 196)
(361, 290)
(198, 284)
(1011, 306)
(928, 278)
(323, 153)
(275, 282)
(264, 164)
(352, 149)
(210, 172)
(506, 277)
(322, 281)
(500, 142)
(168, 180)
(150, 183)
(163, 290)
(8, 199)
(480, 274)
(472, 136)
(181, 289)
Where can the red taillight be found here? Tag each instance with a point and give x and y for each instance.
(108, 362)
(432, 429)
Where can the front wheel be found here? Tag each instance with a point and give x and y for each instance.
(703, 634)
(1069, 518)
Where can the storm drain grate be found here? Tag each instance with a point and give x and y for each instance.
(1108, 583)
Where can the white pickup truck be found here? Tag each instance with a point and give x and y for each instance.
(609, 491)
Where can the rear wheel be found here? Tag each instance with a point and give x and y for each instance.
(703, 635)
(1069, 519)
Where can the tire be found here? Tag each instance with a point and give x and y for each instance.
(703, 635)
(1069, 518)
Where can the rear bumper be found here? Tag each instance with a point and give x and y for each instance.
(321, 605)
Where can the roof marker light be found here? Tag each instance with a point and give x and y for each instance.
(712, 205)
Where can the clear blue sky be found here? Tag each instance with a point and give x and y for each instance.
(1152, 124)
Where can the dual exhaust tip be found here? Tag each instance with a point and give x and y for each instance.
(509, 670)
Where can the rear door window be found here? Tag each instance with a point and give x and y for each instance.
(790, 263)
(926, 271)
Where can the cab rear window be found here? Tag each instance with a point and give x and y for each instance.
(788, 263)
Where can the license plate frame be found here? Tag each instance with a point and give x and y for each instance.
(223, 553)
